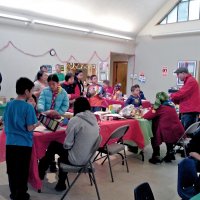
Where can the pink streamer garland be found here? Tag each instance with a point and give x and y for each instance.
(71, 58)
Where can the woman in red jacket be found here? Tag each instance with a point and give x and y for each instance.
(166, 127)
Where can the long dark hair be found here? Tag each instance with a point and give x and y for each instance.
(53, 77)
(81, 104)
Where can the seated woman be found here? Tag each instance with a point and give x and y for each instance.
(117, 93)
(53, 100)
(166, 127)
(134, 98)
(82, 132)
(40, 83)
(107, 88)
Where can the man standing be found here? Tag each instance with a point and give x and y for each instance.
(188, 97)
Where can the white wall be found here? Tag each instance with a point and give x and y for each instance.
(14, 64)
(164, 45)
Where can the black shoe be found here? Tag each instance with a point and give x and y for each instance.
(169, 157)
(12, 196)
(155, 160)
(53, 167)
(60, 187)
(25, 196)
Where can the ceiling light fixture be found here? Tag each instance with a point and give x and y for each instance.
(14, 17)
(60, 25)
(112, 35)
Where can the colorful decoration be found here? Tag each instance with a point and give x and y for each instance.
(141, 77)
(52, 52)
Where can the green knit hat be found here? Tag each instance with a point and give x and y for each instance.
(160, 97)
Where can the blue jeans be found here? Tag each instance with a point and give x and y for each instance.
(188, 119)
(94, 109)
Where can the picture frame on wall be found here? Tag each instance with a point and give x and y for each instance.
(191, 66)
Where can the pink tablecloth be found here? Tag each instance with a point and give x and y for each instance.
(42, 140)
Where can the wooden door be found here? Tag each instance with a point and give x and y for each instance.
(120, 74)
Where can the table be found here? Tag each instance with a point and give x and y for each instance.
(43, 139)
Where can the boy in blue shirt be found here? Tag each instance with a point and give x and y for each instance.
(134, 98)
(19, 122)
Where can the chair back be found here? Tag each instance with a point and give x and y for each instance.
(192, 128)
(94, 148)
(187, 177)
(118, 133)
(143, 192)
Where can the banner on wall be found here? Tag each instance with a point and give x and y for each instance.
(164, 71)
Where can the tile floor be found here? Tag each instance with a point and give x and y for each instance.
(162, 178)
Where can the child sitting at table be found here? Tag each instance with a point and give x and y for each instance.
(19, 122)
(107, 88)
(82, 131)
(134, 98)
(117, 93)
(95, 94)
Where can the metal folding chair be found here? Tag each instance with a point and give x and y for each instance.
(87, 168)
(114, 145)
(188, 133)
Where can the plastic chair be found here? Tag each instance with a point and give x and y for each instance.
(114, 145)
(87, 168)
(143, 192)
(188, 133)
(187, 177)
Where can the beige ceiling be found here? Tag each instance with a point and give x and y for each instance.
(127, 17)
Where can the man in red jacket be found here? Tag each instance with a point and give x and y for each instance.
(188, 97)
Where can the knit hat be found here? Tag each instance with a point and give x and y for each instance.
(160, 98)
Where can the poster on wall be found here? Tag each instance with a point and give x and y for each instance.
(103, 71)
(190, 65)
(164, 71)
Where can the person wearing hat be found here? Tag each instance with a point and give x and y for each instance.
(166, 127)
(188, 97)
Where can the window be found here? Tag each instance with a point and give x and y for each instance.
(185, 10)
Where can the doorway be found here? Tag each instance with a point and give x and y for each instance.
(120, 74)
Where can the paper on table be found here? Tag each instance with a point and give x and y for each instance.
(114, 115)
(43, 129)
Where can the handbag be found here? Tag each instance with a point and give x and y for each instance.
(48, 122)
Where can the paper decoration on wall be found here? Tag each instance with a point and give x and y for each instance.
(49, 69)
(141, 77)
(135, 76)
(164, 71)
(52, 52)
(103, 71)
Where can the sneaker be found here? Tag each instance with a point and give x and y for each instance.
(60, 187)
(53, 167)
(155, 160)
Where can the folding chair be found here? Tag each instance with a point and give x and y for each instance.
(87, 168)
(187, 177)
(143, 191)
(114, 145)
(188, 133)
